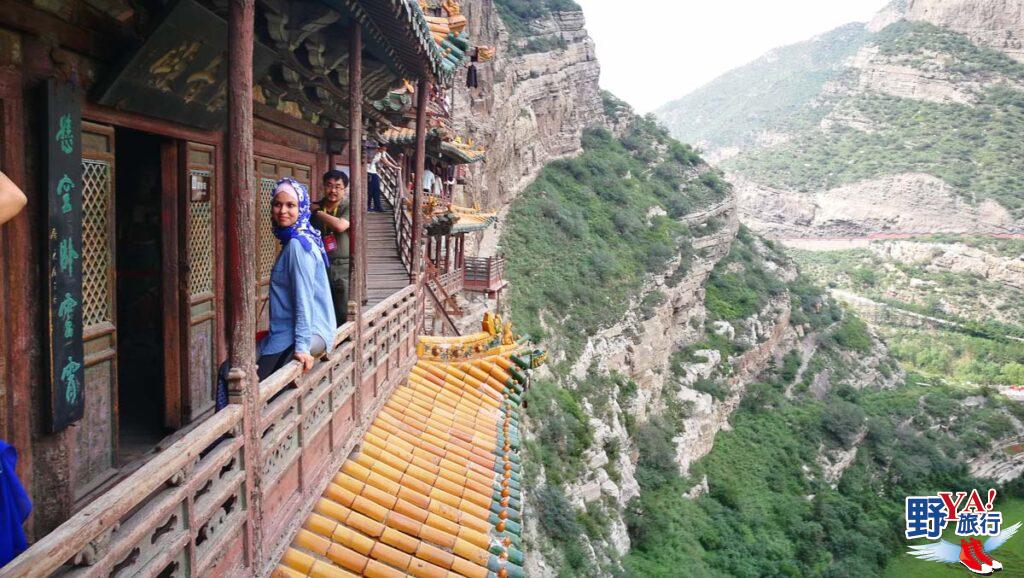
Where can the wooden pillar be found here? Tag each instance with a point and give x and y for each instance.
(22, 353)
(241, 216)
(448, 254)
(357, 192)
(364, 179)
(417, 198)
(357, 185)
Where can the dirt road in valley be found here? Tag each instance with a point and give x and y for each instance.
(844, 243)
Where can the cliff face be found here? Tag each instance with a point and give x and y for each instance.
(531, 108)
(997, 24)
(648, 384)
(904, 203)
(640, 349)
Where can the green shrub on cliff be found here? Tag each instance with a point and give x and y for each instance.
(852, 334)
(584, 234)
(770, 511)
(922, 40)
(517, 15)
(742, 283)
(972, 148)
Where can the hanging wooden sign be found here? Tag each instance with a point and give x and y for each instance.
(179, 73)
(63, 181)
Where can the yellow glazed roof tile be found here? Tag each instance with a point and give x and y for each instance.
(434, 491)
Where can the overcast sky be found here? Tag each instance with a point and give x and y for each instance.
(654, 51)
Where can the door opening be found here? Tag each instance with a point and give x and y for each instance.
(140, 347)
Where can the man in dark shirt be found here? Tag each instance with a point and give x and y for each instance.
(331, 217)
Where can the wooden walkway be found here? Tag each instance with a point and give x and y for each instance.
(385, 273)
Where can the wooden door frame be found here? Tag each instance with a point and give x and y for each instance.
(170, 287)
(173, 163)
(106, 328)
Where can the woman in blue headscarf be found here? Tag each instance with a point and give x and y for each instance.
(302, 320)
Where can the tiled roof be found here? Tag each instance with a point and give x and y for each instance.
(470, 220)
(457, 150)
(460, 152)
(434, 490)
(404, 31)
(400, 136)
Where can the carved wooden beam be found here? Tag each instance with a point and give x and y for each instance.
(308, 19)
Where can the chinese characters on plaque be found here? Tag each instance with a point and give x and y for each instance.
(63, 181)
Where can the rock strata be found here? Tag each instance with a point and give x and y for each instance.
(998, 24)
(905, 203)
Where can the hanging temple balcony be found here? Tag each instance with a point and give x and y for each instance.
(430, 486)
(397, 453)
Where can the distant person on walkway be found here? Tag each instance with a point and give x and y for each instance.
(302, 322)
(331, 218)
(373, 174)
(428, 177)
(12, 200)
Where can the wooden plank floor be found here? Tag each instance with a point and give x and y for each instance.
(385, 273)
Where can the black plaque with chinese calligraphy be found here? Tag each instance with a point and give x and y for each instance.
(63, 181)
(180, 71)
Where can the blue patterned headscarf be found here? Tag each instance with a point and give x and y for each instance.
(301, 230)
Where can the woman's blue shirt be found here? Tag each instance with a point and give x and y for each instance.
(300, 301)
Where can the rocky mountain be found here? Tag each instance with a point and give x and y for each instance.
(759, 103)
(696, 379)
(996, 24)
(915, 118)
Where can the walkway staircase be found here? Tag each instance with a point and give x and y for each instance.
(385, 273)
(388, 253)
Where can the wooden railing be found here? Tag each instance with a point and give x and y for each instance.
(441, 314)
(484, 273)
(448, 283)
(186, 511)
(442, 288)
(393, 190)
(309, 422)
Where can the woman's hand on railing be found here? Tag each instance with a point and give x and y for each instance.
(305, 359)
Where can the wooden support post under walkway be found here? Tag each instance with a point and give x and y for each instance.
(241, 280)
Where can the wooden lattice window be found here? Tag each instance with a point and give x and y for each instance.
(97, 182)
(199, 197)
(200, 247)
(268, 244)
